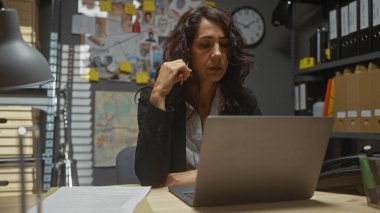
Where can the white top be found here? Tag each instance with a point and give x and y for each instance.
(194, 132)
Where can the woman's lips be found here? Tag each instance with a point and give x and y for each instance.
(215, 68)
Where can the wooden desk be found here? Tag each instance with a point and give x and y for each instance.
(162, 201)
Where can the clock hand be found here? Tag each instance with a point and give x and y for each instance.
(245, 26)
(253, 21)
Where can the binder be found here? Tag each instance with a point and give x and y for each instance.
(334, 35)
(365, 26)
(296, 99)
(310, 90)
(352, 28)
(318, 44)
(375, 25)
(344, 28)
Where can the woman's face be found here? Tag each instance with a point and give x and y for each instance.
(209, 52)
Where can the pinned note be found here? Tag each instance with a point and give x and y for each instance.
(130, 9)
(306, 62)
(125, 66)
(211, 3)
(105, 5)
(92, 74)
(142, 77)
(149, 6)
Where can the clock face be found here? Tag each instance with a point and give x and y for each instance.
(251, 24)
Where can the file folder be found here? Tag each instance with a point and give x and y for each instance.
(365, 26)
(366, 101)
(334, 29)
(353, 99)
(375, 25)
(340, 113)
(376, 100)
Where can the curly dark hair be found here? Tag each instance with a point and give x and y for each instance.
(178, 44)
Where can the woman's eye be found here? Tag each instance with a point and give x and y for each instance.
(205, 45)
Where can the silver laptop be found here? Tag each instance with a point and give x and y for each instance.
(258, 159)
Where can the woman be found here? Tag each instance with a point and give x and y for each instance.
(205, 66)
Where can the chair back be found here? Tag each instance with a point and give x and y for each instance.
(125, 166)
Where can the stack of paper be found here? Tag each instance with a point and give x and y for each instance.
(110, 199)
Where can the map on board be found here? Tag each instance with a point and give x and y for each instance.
(115, 125)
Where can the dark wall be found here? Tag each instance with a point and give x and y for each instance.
(271, 80)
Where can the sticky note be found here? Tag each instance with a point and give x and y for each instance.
(149, 6)
(105, 6)
(130, 9)
(92, 75)
(142, 77)
(306, 62)
(211, 3)
(328, 53)
(125, 66)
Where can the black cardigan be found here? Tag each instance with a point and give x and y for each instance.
(161, 144)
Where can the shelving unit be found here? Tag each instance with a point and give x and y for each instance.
(334, 65)
(358, 136)
(341, 143)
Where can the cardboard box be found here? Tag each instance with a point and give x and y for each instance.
(28, 17)
(340, 113)
(376, 100)
(352, 123)
(366, 102)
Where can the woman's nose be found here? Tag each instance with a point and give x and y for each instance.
(216, 52)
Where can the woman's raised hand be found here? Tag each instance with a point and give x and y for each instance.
(170, 73)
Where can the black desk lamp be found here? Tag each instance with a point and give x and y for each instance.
(21, 66)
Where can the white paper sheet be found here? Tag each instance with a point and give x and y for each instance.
(93, 199)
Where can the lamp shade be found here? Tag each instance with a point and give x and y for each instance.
(21, 65)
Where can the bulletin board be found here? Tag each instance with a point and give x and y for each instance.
(125, 37)
(123, 40)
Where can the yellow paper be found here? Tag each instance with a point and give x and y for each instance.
(105, 6)
(142, 77)
(125, 66)
(130, 9)
(306, 62)
(211, 3)
(328, 53)
(149, 6)
(92, 75)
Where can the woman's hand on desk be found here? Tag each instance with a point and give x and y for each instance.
(181, 178)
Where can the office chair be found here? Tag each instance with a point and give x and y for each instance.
(125, 166)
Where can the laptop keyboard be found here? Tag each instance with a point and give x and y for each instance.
(189, 194)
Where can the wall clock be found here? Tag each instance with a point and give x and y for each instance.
(251, 24)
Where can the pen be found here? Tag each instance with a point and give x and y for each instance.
(187, 64)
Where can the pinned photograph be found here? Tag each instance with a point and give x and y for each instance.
(163, 26)
(145, 50)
